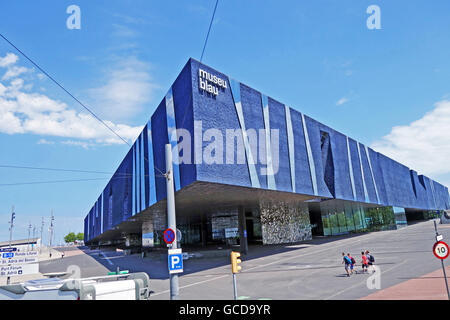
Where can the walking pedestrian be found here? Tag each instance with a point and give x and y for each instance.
(364, 262)
(370, 261)
(346, 260)
(353, 262)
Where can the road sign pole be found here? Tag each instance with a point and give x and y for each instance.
(442, 263)
(445, 277)
(234, 286)
(171, 218)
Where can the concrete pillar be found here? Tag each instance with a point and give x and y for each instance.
(203, 229)
(242, 230)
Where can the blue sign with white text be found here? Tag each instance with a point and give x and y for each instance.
(175, 263)
(8, 255)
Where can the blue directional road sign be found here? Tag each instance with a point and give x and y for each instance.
(175, 261)
(8, 255)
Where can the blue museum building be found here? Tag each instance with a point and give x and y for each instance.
(250, 169)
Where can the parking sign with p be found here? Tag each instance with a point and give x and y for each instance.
(175, 261)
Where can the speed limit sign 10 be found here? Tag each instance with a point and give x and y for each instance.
(440, 250)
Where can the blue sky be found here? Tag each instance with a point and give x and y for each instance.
(387, 88)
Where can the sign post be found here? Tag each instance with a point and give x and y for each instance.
(171, 221)
(441, 251)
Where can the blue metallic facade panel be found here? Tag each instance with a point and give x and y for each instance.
(342, 181)
(182, 97)
(378, 175)
(217, 112)
(419, 191)
(160, 139)
(303, 183)
(357, 174)
(397, 180)
(313, 128)
(278, 121)
(254, 122)
(368, 176)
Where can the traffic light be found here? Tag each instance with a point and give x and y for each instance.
(235, 267)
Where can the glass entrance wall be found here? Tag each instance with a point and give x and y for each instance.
(400, 217)
(378, 219)
(349, 217)
(342, 220)
(326, 224)
(345, 217)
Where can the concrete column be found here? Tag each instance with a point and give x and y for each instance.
(203, 229)
(242, 230)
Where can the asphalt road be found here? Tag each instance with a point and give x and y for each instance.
(312, 270)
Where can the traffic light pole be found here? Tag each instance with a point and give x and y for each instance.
(171, 218)
(234, 286)
(235, 268)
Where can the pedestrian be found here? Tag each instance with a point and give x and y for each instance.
(346, 260)
(370, 260)
(364, 262)
(353, 262)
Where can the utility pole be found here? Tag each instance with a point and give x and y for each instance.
(28, 241)
(50, 229)
(13, 216)
(42, 229)
(34, 236)
(171, 218)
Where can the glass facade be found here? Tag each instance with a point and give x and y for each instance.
(400, 217)
(345, 217)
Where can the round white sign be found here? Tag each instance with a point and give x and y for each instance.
(441, 250)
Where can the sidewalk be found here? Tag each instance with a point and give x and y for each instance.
(428, 287)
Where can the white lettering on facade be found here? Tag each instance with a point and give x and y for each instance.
(210, 83)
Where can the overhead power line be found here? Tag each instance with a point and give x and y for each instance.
(65, 90)
(209, 30)
(43, 182)
(53, 169)
(72, 96)
(90, 111)
(201, 57)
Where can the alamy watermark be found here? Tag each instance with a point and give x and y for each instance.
(374, 20)
(374, 281)
(74, 20)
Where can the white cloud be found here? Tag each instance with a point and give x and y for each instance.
(36, 113)
(14, 71)
(7, 60)
(423, 145)
(120, 30)
(128, 88)
(44, 141)
(341, 101)
(83, 144)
